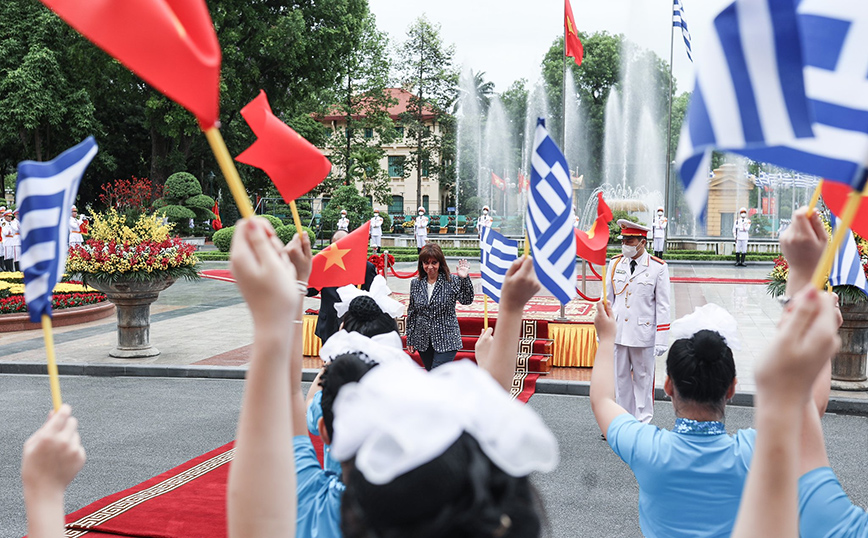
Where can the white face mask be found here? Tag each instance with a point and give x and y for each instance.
(629, 251)
(659, 213)
(743, 215)
(421, 213)
(485, 212)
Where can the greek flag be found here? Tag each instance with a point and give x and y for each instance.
(45, 193)
(497, 255)
(847, 267)
(749, 90)
(550, 217)
(678, 21)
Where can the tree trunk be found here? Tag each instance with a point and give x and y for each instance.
(38, 144)
(158, 158)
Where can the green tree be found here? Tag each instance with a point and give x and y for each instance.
(427, 71)
(183, 200)
(347, 197)
(363, 101)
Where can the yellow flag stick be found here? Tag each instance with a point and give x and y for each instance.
(295, 218)
(53, 378)
(485, 312)
(816, 196)
(227, 166)
(854, 200)
(603, 280)
(526, 245)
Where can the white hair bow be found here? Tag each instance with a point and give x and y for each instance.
(709, 317)
(379, 349)
(379, 292)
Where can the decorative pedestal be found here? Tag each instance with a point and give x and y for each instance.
(133, 300)
(849, 365)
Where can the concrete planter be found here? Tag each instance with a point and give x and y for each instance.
(849, 365)
(133, 300)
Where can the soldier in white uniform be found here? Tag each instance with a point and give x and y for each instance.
(421, 230)
(75, 237)
(344, 222)
(639, 294)
(659, 225)
(11, 241)
(483, 222)
(2, 250)
(376, 231)
(741, 232)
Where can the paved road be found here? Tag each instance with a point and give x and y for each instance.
(135, 428)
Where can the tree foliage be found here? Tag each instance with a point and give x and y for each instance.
(347, 197)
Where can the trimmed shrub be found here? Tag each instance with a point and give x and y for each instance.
(177, 213)
(275, 222)
(285, 233)
(223, 238)
(200, 201)
(182, 185)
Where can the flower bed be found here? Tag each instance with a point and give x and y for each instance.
(67, 294)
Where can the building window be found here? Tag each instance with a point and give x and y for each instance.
(397, 206)
(425, 204)
(425, 169)
(399, 133)
(396, 166)
(369, 132)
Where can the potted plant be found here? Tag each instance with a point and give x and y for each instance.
(849, 367)
(132, 264)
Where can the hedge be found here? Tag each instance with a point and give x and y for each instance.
(285, 233)
(223, 238)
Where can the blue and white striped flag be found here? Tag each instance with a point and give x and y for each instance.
(678, 21)
(847, 267)
(749, 90)
(45, 193)
(550, 217)
(497, 255)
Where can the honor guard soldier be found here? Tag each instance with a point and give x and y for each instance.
(741, 231)
(482, 223)
(639, 294)
(421, 230)
(344, 222)
(659, 225)
(75, 228)
(376, 231)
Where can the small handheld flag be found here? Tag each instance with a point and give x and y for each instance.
(550, 217)
(847, 266)
(343, 262)
(497, 255)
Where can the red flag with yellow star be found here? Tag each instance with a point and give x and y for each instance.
(342, 262)
(573, 45)
(591, 245)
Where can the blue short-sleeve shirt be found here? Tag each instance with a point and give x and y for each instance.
(319, 493)
(314, 413)
(690, 484)
(825, 511)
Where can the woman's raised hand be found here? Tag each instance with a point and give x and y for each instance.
(463, 268)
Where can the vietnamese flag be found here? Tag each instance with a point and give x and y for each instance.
(523, 183)
(216, 223)
(294, 165)
(835, 197)
(573, 46)
(343, 262)
(591, 245)
(171, 44)
(497, 181)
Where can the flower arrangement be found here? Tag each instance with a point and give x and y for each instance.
(847, 294)
(377, 260)
(142, 251)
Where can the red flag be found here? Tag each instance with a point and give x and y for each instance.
(216, 223)
(342, 262)
(497, 181)
(592, 245)
(573, 45)
(523, 183)
(835, 197)
(294, 165)
(171, 44)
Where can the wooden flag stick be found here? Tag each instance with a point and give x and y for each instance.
(603, 280)
(227, 166)
(526, 245)
(485, 312)
(821, 273)
(816, 196)
(53, 378)
(295, 218)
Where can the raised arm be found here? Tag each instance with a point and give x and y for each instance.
(300, 255)
(603, 403)
(519, 285)
(465, 285)
(52, 457)
(261, 498)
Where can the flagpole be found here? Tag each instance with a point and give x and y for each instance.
(53, 378)
(603, 280)
(485, 312)
(816, 196)
(854, 200)
(669, 128)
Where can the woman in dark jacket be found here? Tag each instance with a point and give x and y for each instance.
(432, 326)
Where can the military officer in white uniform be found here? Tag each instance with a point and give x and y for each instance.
(482, 223)
(421, 230)
(344, 222)
(659, 225)
(376, 231)
(75, 236)
(638, 291)
(741, 231)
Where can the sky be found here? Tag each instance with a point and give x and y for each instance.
(507, 39)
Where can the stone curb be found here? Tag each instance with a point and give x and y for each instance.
(847, 406)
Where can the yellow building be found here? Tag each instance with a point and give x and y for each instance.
(728, 191)
(403, 190)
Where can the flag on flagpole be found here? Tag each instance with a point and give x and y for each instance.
(171, 44)
(847, 268)
(216, 223)
(678, 21)
(591, 245)
(523, 183)
(550, 217)
(572, 44)
(749, 90)
(343, 262)
(497, 181)
(45, 193)
(294, 165)
(496, 256)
